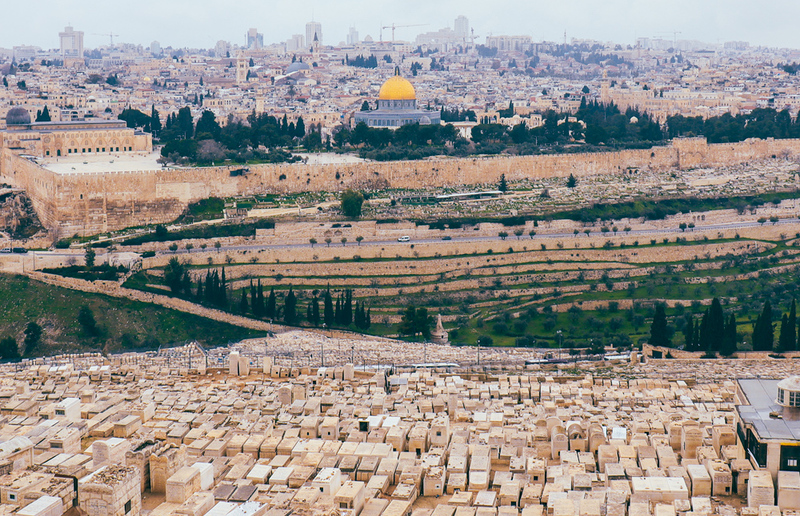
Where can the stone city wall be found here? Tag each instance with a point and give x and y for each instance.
(88, 203)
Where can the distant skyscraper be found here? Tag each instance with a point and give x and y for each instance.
(71, 42)
(295, 43)
(462, 29)
(254, 39)
(313, 28)
(222, 49)
(352, 37)
(155, 48)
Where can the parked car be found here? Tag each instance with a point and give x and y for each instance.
(404, 238)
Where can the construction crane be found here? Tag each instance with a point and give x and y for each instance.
(674, 37)
(111, 36)
(393, 26)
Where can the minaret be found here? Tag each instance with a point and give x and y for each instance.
(604, 96)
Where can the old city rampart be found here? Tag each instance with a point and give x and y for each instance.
(89, 203)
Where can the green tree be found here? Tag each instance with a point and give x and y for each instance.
(571, 181)
(365, 106)
(9, 349)
(314, 319)
(185, 122)
(44, 116)
(290, 308)
(730, 337)
(87, 321)
(716, 326)
(328, 313)
(351, 203)
(244, 306)
(155, 121)
(688, 333)
(789, 342)
(502, 185)
(207, 126)
(416, 321)
(269, 311)
(173, 275)
(300, 128)
(33, 336)
(89, 257)
(659, 335)
(763, 331)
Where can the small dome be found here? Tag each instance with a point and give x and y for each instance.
(397, 88)
(789, 392)
(296, 67)
(424, 120)
(18, 116)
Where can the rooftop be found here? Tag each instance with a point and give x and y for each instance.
(87, 164)
(761, 394)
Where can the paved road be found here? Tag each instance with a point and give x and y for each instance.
(549, 236)
(595, 232)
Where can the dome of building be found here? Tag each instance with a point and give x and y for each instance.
(397, 88)
(296, 67)
(18, 116)
(789, 392)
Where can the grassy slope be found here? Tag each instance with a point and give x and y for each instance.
(125, 324)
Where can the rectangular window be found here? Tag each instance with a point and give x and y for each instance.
(12, 496)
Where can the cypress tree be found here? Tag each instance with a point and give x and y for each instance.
(338, 314)
(688, 333)
(784, 335)
(658, 330)
(347, 316)
(716, 326)
(199, 294)
(368, 321)
(763, 333)
(223, 291)
(254, 301)
(243, 305)
(308, 312)
(328, 312)
(792, 341)
(314, 319)
(729, 340)
(696, 338)
(269, 311)
(290, 308)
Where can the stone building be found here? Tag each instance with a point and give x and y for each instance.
(46, 139)
(769, 426)
(397, 106)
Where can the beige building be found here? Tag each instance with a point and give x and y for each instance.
(54, 139)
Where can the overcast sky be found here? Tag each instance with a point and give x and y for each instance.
(201, 23)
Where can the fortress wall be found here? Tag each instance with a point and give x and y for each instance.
(93, 203)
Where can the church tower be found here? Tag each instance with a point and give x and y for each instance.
(242, 68)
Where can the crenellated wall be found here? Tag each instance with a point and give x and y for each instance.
(98, 202)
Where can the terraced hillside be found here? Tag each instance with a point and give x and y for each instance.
(594, 290)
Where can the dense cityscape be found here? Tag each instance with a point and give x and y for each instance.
(423, 272)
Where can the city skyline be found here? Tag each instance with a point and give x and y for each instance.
(619, 21)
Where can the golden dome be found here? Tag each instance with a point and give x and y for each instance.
(397, 88)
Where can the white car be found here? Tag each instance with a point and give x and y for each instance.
(404, 238)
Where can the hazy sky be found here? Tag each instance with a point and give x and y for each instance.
(201, 23)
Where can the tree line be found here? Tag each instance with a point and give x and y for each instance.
(212, 289)
(715, 332)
